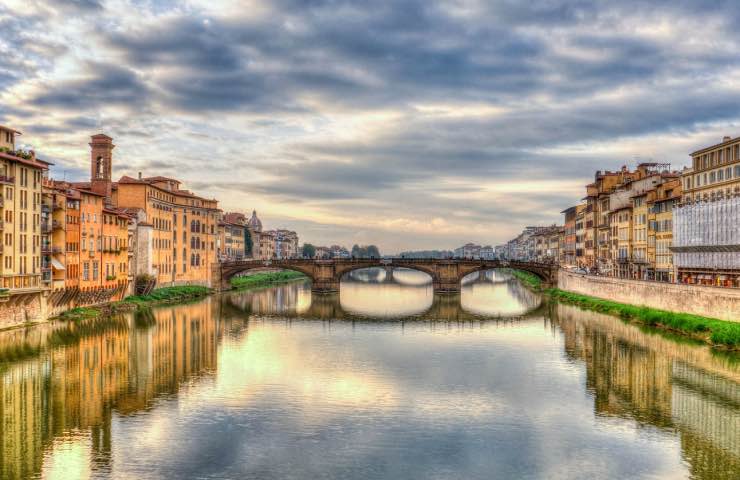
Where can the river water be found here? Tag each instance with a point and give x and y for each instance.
(383, 381)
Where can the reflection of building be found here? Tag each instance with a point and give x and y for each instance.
(99, 367)
(647, 379)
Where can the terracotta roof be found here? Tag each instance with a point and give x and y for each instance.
(90, 192)
(160, 178)
(127, 179)
(33, 163)
(3, 127)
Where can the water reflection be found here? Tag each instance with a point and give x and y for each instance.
(400, 293)
(249, 385)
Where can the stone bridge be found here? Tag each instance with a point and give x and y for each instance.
(326, 275)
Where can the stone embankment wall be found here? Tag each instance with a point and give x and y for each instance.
(723, 303)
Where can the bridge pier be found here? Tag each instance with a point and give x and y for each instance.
(446, 288)
(325, 286)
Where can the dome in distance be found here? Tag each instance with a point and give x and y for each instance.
(254, 223)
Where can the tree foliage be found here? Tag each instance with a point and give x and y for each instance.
(248, 244)
(365, 251)
(308, 251)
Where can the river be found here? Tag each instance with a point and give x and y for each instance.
(383, 381)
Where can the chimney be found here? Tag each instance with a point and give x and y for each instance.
(139, 175)
(726, 138)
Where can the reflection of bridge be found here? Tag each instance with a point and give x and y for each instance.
(446, 308)
(325, 275)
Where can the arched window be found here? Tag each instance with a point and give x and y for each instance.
(99, 165)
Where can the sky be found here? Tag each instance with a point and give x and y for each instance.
(409, 124)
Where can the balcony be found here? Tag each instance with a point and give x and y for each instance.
(45, 228)
(7, 179)
(56, 250)
(46, 249)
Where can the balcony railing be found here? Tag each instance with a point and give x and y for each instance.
(7, 179)
(56, 224)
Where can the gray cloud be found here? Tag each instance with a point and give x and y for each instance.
(256, 99)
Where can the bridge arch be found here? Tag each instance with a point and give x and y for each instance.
(343, 270)
(543, 272)
(227, 272)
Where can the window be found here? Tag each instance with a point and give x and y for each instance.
(86, 271)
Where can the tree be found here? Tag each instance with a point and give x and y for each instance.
(309, 251)
(248, 245)
(372, 251)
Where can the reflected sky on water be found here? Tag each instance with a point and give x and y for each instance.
(384, 380)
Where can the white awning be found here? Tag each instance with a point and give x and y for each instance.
(56, 264)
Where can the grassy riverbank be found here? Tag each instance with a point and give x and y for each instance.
(529, 279)
(165, 295)
(265, 279)
(711, 330)
(173, 295)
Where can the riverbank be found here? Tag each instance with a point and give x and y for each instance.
(165, 295)
(265, 279)
(719, 333)
(175, 295)
(714, 331)
(529, 279)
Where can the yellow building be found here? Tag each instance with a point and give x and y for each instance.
(21, 177)
(667, 196)
(639, 259)
(184, 227)
(230, 246)
(715, 172)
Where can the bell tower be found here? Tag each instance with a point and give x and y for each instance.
(101, 157)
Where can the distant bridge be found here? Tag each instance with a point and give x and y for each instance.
(326, 275)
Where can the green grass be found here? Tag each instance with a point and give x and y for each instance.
(169, 295)
(17, 352)
(80, 313)
(529, 279)
(263, 279)
(712, 330)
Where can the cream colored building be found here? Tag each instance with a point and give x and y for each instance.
(715, 172)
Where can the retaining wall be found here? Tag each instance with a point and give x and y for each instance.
(723, 303)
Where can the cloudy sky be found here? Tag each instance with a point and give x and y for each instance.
(408, 124)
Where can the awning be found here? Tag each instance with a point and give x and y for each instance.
(56, 264)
